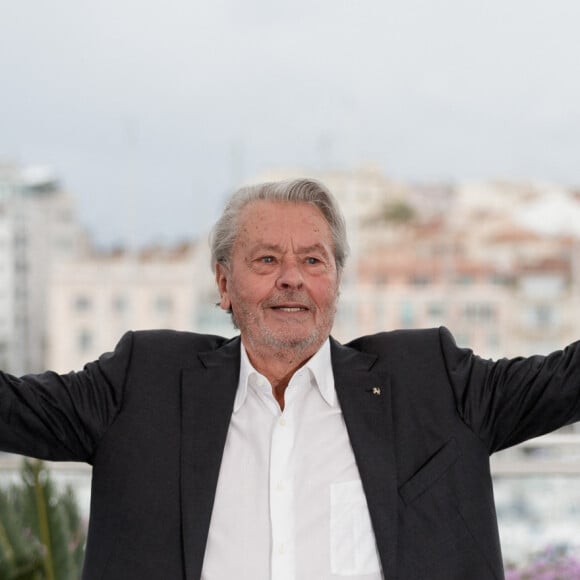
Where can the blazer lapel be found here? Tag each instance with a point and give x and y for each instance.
(207, 399)
(364, 395)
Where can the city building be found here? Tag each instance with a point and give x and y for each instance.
(95, 299)
(38, 229)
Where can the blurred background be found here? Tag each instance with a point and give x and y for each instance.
(449, 131)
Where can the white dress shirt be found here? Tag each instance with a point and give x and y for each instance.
(289, 503)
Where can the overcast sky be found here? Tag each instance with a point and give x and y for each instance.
(151, 111)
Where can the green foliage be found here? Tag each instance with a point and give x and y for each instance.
(41, 533)
(398, 212)
(20, 557)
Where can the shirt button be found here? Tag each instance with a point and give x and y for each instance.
(281, 550)
(282, 422)
(280, 486)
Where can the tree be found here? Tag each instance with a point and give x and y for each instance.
(398, 212)
(41, 533)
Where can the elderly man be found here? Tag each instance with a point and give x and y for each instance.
(282, 454)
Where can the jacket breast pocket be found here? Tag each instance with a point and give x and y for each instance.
(435, 534)
(430, 472)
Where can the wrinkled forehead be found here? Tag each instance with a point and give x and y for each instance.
(261, 207)
(281, 222)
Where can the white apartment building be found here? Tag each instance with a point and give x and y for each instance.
(38, 228)
(94, 300)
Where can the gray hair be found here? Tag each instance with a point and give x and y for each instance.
(225, 231)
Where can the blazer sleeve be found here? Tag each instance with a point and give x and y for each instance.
(63, 417)
(511, 400)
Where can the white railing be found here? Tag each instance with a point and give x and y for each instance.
(564, 459)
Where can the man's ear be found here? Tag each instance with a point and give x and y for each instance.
(221, 278)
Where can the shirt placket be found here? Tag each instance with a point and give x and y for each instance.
(282, 495)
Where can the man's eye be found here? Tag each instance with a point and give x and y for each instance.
(267, 259)
(312, 261)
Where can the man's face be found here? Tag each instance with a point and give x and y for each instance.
(282, 281)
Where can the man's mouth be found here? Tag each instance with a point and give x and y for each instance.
(290, 308)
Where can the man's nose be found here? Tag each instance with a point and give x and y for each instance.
(290, 276)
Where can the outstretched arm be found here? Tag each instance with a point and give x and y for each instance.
(63, 417)
(511, 400)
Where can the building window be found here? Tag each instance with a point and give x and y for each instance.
(20, 240)
(436, 310)
(63, 244)
(163, 304)
(85, 341)
(500, 280)
(4, 354)
(420, 280)
(120, 303)
(82, 303)
(464, 280)
(482, 312)
(407, 314)
(493, 341)
(20, 266)
(543, 315)
(381, 279)
(380, 310)
(486, 312)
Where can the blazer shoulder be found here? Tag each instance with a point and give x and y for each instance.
(399, 339)
(177, 341)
